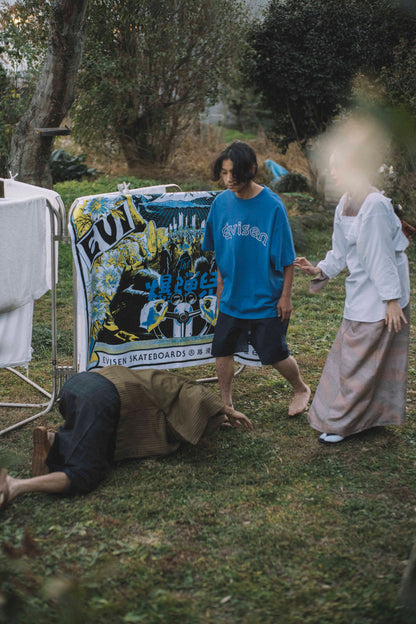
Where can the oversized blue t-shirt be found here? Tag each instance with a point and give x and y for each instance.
(253, 243)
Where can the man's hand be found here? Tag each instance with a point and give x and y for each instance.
(394, 316)
(284, 308)
(220, 287)
(284, 305)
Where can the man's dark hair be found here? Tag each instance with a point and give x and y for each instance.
(244, 162)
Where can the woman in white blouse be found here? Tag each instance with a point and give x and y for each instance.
(364, 380)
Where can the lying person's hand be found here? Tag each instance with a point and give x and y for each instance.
(237, 419)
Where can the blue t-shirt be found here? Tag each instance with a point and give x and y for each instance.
(253, 242)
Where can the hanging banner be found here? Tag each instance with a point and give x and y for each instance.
(146, 292)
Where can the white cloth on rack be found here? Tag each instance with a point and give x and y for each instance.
(16, 336)
(18, 190)
(23, 275)
(16, 325)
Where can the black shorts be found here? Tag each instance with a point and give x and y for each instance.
(266, 335)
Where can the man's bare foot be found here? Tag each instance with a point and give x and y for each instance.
(299, 402)
(41, 448)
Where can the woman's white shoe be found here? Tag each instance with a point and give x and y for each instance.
(330, 438)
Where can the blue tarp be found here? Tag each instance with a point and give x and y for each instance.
(276, 170)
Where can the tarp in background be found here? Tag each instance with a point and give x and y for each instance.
(276, 170)
(146, 292)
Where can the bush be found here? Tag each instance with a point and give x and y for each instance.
(64, 166)
(291, 183)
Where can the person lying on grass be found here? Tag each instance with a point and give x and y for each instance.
(117, 413)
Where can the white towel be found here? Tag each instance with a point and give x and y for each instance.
(17, 190)
(16, 336)
(16, 326)
(23, 264)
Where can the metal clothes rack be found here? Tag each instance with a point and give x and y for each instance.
(58, 373)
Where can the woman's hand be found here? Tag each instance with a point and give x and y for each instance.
(306, 267)
(394, 316)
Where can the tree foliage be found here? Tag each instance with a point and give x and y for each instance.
(399, 78)
(53, 94)
(305, 54)
(41, 41)
(11, 108)
(23, 37)
(148, 68)
(24, 34)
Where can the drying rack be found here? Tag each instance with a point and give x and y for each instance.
(58, 373)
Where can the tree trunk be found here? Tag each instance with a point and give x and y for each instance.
(133, 138)
(54, 93)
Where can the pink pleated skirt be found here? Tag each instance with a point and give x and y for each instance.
(364, 380)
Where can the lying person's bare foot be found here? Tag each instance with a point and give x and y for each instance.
(8, 488)
(41, 448)
(299, 402)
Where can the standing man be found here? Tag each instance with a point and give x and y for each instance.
(249, 231)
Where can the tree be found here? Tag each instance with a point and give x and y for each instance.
(53, 95)
(15, 91)
(305, 54)
(149, 67)
(399, 78)
(10, 111)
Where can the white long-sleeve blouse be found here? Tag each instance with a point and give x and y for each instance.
(372, 246)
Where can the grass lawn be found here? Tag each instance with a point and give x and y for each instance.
(265, 527)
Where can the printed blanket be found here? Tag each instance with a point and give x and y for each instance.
(146, 292)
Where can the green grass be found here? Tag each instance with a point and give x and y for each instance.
(72, 189)
(265, 527)
(235, 135)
